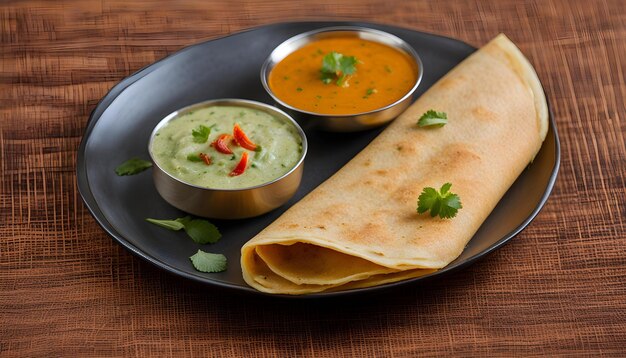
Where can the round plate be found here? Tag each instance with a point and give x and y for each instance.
(119, 128)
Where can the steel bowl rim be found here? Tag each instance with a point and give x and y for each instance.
(230, 101)
(265, 68)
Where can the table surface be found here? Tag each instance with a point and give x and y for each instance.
(66, 289)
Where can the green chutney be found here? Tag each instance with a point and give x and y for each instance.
(279, 147)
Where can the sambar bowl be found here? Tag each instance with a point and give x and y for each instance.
(343, 122)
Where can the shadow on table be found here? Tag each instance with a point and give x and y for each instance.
(256, 317)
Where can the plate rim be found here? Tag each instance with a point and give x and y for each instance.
(86, 194)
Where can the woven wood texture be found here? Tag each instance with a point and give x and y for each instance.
(66, 289)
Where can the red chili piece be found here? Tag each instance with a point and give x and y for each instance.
(241, 166)
(221, 145)
(205, 158)
(242, 139)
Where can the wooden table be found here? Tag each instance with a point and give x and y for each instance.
(66, 289)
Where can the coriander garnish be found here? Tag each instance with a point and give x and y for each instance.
(369, 92)
(442, 202)
(133, 166)
(433, 118)
(208, 262)
(194, 158)
(199, 230)
(201, 134)
(339, 67)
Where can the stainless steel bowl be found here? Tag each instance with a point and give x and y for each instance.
(352, 122)
(228, 203)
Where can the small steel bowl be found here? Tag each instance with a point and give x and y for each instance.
(228, 203)
(343, 123)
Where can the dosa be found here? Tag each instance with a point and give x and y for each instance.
(360, 227)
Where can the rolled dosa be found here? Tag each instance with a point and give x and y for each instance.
(360, 227)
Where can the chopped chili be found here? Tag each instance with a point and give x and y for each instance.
(241, 166)
(205, 158)
(242, 139)
(221, 145)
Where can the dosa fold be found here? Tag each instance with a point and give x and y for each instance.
(360, 227)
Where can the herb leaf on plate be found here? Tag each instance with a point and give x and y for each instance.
(208, 262)
(199, 230)
(133, 166)
(173, 225)
(433, 118)
(442, 202)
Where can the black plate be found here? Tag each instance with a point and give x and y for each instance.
(120, 126)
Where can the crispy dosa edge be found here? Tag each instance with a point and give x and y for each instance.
(527, 73)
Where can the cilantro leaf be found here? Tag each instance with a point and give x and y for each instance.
(133, 166)
(427, 199)
(208, 262)
(449, 206)
(337, 66)
(347, 65)
(194, 158)
(201, 134)
(202, 231)
(433, 118)
(330, 62)
(173, 225)
(199, 230)
(445, 188)
(442, 202)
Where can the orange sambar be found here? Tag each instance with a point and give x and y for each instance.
(383, 76)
